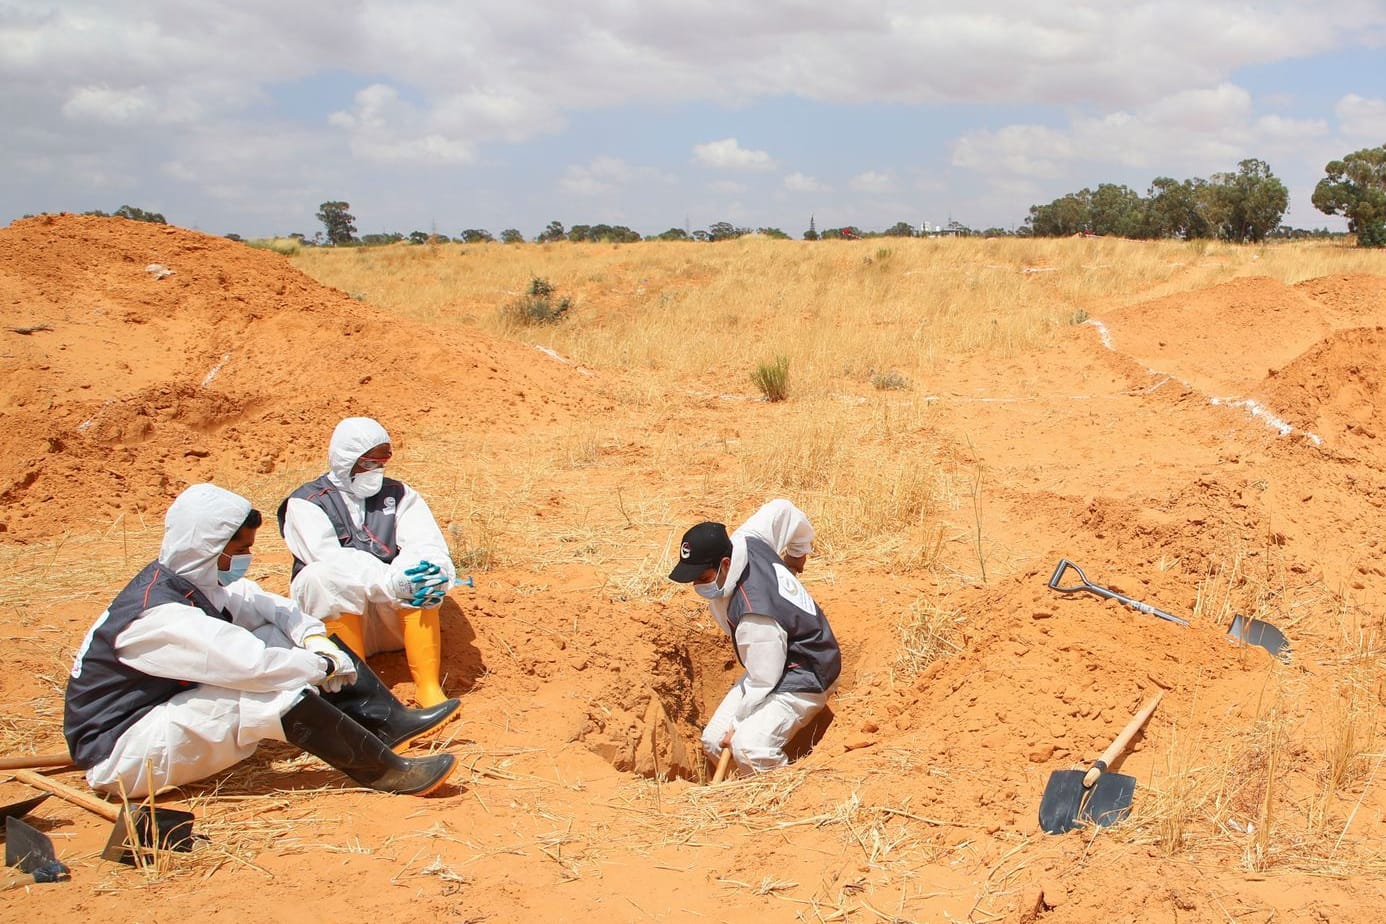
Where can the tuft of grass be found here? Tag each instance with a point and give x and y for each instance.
(772, 378)
(284, 246)
(890, 381)
(537, 306)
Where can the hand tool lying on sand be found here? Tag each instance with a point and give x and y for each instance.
(35, 760)
(723, 763)
(23, 807)
(138, 832)
(1075, 797)
(1250, 631)
(30, 852)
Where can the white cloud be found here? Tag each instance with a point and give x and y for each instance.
(606, 174)
(1361, 117)
(872, 181)
(385, 129)
(728, 154)
(111, 107)
(728, 187)
(799, 182)
(1024, 150)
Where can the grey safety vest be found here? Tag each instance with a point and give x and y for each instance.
(768, 588)
(376, 534)
(105, 697)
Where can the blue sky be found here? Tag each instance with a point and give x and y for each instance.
(666, 113)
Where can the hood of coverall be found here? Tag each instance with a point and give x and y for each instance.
(350, 440)
(199, 523)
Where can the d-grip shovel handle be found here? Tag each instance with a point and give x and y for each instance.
(1085, 584)
(1122, 740)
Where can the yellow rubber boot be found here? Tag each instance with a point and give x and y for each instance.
(423, 648)
(347, 627)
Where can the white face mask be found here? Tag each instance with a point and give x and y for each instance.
(367, 484)
(240, 564)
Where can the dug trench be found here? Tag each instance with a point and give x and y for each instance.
(639, 704)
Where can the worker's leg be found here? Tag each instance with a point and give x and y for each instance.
(759, 740)
(194, 735)
(423, 648)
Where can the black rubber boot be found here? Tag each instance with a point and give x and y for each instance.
(371, 704)
(331, 735)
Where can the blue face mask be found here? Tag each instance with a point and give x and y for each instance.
(709, 591)
(240, 564)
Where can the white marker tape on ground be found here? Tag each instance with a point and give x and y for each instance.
(215, 369)
(1252, 407)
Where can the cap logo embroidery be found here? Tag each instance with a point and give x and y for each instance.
(685, 551)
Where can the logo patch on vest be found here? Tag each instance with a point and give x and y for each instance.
(388, 508)
(793, 591)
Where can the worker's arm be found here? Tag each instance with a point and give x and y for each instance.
(308, 532)
(418, 535)
(763, 646)
(182, 642)
(251, 606)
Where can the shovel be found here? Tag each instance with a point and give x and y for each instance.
(138, 831)
(22, 808)
(1251, 631)
(31, 852)
(1095, 796)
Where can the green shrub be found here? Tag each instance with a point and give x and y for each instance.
(537, 305)
(773, 379)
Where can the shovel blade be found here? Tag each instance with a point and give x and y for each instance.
(20, 809)
(1062, 801)
(1109, 800)
(141, 830)
(1261, 634)
(30, 851)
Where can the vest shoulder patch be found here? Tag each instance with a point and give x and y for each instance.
(791, 589)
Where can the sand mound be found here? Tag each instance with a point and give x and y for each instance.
(141, 357)
(1335, 391)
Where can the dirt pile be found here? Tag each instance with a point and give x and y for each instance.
(142, 357)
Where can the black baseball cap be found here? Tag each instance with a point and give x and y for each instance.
(702, 547)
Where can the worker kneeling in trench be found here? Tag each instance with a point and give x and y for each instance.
(781, 637)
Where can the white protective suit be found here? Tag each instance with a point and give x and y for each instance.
(763, 722)
(336, 579)
(248, 672)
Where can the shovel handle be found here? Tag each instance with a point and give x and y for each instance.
(35, 760)
(86, 800)
(1086, 585)
(1114, 750)
(723, 763)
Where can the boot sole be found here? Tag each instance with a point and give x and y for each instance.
(399, 747)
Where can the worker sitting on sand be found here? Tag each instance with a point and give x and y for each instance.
(782, 638)
(369, 560)
(193, 665)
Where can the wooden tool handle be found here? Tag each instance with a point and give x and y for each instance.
(86, 800)
(1123, 739)
(723, 763)
(35, 760)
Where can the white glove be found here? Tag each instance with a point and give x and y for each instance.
(341, 670)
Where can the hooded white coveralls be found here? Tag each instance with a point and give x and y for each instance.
(337, 580)
(763, 722)
(248, 672)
